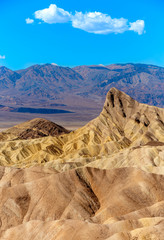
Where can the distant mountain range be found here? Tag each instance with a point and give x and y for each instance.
(49, 85)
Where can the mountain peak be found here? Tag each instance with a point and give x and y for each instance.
(130, 119)
(119, 103)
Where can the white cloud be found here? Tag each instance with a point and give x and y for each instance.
(137, 26)
(29, 20)
(2, 57)
(53, 14)
(92, 22)
(99, 23)
(54, 64)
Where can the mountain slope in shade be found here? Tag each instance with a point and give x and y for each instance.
(8, 78)
(40, 84)
(34, 79)
(144, 82)
(32, 129)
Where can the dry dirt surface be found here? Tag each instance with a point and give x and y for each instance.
(84, 203)
(103, 181)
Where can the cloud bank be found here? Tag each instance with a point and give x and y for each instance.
(53, 14)
(137, 26)
(92, 22)
(2, 57)
(99, 23)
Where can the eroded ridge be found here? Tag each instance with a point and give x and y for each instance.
(103, 181)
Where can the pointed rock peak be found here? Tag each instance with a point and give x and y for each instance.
(120, 108)
(117, 93)
(117, 98)
(118, 102)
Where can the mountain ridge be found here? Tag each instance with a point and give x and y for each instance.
(49, 84)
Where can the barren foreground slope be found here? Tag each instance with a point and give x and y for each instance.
(103, 181)
(85, 203)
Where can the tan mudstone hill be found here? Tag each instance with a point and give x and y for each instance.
(32, 129)
(103, 181)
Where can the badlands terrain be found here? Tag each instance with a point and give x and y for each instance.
(102, 181)
(64, 95)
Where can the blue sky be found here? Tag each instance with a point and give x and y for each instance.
(71, 33)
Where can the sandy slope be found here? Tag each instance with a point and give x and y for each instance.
(103, 181)
(87, 203)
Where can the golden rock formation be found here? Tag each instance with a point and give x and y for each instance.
(123, 125)
(103, 181)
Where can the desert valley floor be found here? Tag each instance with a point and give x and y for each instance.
(102, 181)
